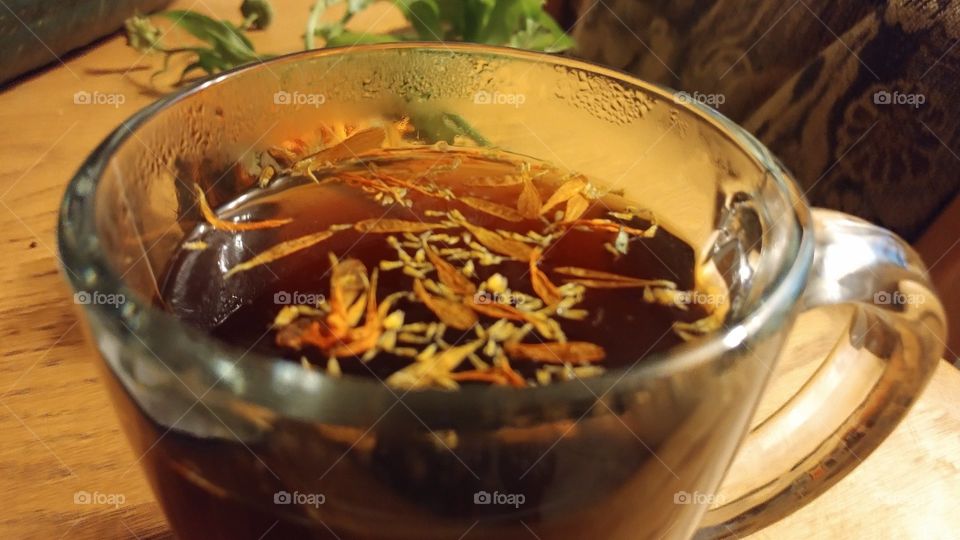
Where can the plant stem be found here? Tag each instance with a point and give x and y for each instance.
(316, 11)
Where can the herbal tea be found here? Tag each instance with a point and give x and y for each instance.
(435, 266)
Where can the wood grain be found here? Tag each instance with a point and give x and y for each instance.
(61, 437)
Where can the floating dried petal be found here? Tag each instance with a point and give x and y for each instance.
(453, 314)
(529, 203)
(449, 275)
(217, 223)
(279, 251)
(563, 193)
(556, 353)
(488, 207)
(394, 226)
(545, 289)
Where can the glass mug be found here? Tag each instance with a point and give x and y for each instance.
(237, 445)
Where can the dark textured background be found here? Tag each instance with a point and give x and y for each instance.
(34, 33)
(802, 76)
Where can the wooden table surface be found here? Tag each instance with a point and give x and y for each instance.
(61, 437)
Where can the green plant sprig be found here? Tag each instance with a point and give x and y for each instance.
(224, 45)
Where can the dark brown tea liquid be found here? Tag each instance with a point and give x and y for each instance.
(626, 321)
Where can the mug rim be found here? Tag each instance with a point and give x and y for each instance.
(88, 270)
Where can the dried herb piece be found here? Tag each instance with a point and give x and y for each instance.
(396, 226)
(230, 226)
(609, 226)
(564, 193)
(556, 353)
(494, 209)
(700, 327)
(576, 207)
(358, 143)
(453, 314)
(338, 334)
(266, 174)
(514, 378)
(364, 338)
(545, 289)
(348, 285)
(506, 311)
(433, 369)
(198, 245)
(514, 249)
(491, 181)
(489, 376)
(280, 250)
(598, 279)
(448, 275)
(501, 375)
(529, 203)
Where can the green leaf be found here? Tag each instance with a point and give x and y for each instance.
(424, 16)
(542, 35)
(348, 38)
(506, 19)
(227, 41)
(356, 6)
(434, 126)
(142, 35)
(476, 13)
(562, 40)
(207, 61)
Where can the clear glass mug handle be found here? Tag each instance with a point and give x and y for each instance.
(855, 398)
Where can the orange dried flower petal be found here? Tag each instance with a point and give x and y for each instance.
(449, 275)
(396, 226)
(577, 206)
(231, 226)
(545, 289)
(488, 207)
(450, 313)
(556, 353)
(564, 193)
(529, 203)
(279, 251)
